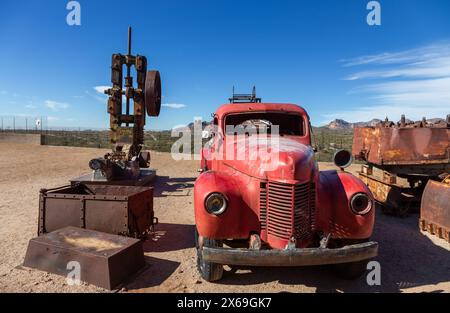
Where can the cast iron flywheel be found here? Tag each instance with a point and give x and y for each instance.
(153, 93)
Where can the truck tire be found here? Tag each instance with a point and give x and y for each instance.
(351, 271)
(208, 270)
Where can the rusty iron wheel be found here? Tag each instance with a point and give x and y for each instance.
(152, 94)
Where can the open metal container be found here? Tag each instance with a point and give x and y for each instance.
(118, 210)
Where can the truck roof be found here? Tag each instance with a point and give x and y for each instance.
(258, 107)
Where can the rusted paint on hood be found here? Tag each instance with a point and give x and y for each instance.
(272, 157)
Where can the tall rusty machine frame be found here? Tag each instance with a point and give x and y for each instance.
(414, 152)
(146, 98)
(128, 164)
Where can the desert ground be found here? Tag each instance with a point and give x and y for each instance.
(411, 261)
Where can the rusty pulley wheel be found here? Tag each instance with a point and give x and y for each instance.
(153, 93)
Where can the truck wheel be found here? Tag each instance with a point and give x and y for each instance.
(208, 270)
(350, 271)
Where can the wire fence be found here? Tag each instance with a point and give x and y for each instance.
(28, 124)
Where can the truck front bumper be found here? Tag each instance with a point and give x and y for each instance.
(291, 257)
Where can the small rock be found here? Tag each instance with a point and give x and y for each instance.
(198, 281)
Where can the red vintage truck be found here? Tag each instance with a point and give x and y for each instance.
(277, 210)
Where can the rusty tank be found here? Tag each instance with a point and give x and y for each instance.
(400, 158)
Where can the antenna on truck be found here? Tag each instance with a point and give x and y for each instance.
(245, 98)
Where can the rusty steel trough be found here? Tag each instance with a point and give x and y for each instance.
(405, 151)
(118, 210)
(435, 209)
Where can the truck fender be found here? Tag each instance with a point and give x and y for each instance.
(334, 214)
(238, 220)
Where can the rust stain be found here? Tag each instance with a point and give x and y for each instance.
(92, 243)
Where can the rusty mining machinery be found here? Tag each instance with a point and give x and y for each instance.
(417, 153)
(110, 205)
(128, 163)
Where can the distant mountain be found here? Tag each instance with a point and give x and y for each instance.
(372, 123)
(339, 124)
(435, 120)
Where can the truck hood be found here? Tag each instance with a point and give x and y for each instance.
(280, 158)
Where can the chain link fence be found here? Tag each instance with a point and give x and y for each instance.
(52, 135)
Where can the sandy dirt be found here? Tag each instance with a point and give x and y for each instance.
(411, 261)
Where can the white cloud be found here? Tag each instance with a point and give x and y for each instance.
(56, 106)
(101, 89)
(414, 82)
(99, 94)
(407, 56)
(52, 118)
(431, 68)
(173, 105)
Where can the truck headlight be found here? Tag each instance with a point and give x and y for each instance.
(361, 204)
(216, 203)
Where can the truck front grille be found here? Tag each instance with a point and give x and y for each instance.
(287, 210)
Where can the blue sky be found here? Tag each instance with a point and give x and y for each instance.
(319, 54)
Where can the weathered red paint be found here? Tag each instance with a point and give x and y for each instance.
(242, 182)
(334, 214)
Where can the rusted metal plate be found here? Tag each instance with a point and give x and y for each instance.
(423, 151)
(104, 260)
(435, 209)
(119, 210)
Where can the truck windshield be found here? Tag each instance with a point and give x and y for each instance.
(289, 124)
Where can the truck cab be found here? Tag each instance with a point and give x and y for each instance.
(261, 199)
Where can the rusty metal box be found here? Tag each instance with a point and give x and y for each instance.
(100, 259)
(118, 210)
(404, 150)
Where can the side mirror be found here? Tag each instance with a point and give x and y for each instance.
(342, 159)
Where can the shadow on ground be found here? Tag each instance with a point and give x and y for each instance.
(165, 185)
(170, 237)
(154, 274)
